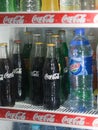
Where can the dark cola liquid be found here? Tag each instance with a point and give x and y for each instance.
(36, 81)
(7, 91)
(51, 84)
(18, 82)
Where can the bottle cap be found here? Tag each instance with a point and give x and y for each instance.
(38, 43)
(55, 35)
(17, 41)
(51, 44)
(3, 44)
(36, 34)
(49, 32)
(79, 31)
(27, 32)
(61, 30)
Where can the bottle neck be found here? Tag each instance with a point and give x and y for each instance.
(48, 38)
(3, 52)
(39, 49)
(28, 39)
(51, 52)
(36, 38)
(16, 49)
(62, 36)
(56, 41)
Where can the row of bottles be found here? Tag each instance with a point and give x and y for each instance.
(49, 5)
(25, 126)
(47, 73)
(48, 86)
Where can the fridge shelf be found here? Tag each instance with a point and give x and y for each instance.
(50, 19)
(26, 112)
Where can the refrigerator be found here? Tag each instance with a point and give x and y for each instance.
(24, 115)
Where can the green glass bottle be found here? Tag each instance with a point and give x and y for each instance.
(9, 5)
(60, 59)
(64, 50)
(26, 61)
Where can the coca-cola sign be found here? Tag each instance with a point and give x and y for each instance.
(18, 19)
(44, 118)
(48, 18)
(15, 115)
(78, 18)
(74, 120)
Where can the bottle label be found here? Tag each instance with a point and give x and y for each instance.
(81, 66)
(17, 71)
(8, 75)
(52, 77)
(1, 77)
(35, 73)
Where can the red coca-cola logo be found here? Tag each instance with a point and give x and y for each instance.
(18, 115)
(78, 18)
(43, 19)
(73, 120)
(19, 19)
(44, 118)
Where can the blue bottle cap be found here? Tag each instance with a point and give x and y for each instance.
(35, 127)
(80, 31)
(83, 41)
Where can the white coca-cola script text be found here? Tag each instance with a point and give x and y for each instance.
(73, 120)
(43, 19)
(52, 77)
(19, 19)
(79, 18)
(17, 115)
(44, 118)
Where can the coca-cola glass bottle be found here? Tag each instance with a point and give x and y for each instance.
(36, 75)
(17, 65)
(51, 79)
(7, 90)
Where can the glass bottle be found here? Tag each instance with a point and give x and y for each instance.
(9, 5)
(64, 50)
(50, 5)
(36, 37)
(6, 78)
(36, 75)
(51, 79)
(17, 65)
(61, 64)
(48, 36)
(26, 62)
